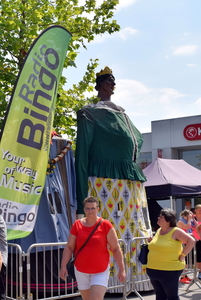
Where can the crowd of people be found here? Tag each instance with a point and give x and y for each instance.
(106, 151)
(102, 163)
(168, 250)
(187, 223)
(166, 257)
(107, 175)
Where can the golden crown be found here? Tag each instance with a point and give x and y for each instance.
(107, 70)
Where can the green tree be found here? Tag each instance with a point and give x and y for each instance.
(21, 21)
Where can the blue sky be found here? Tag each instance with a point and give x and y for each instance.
(155, 58)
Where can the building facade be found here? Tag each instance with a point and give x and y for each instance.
(178, 138)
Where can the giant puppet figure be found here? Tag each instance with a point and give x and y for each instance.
(108, 145)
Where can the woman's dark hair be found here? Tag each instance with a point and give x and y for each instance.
(101, 78)
(169, 215)
(90, 199)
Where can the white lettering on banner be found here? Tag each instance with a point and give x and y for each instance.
(10, 170)
(16, 159)
(21, 216)
(19, 186)
(27, 171)
(199, 131)
(19, 169)
(41, 101)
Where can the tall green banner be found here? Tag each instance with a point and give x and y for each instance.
(25, 139)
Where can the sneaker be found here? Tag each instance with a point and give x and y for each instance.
(184, 280)
(189, 279)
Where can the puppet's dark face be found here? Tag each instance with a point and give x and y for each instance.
(108, 84)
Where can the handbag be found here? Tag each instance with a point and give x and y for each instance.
(70, 268)
(143, 254)
(70, 264)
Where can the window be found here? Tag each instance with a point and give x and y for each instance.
(192, 157)
(144, 159)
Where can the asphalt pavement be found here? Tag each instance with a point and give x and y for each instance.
(194, 293)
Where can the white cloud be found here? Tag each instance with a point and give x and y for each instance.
(185, 50)
(172, 113)
(198, 102)
(125, 3)
(144, 104)
(123, 34)
(168, 94)
(128, 89)
(126, 33)
(141, 101)
(122, 3)
(98, 2)
(137, 113)
(191, 65)
(100, 38)
(132, 87)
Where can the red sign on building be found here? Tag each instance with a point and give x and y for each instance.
(192, 132)
(160, 153)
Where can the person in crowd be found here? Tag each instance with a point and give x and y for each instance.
(92, 262)
(107, 148)
(192, 210)
(187, 223)
(166, 257)
(197, 235)
(3, 257)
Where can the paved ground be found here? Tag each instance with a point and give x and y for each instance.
(194, 293)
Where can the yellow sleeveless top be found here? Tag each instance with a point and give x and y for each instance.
(164, 252)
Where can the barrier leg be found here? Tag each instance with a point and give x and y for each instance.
(195, 279)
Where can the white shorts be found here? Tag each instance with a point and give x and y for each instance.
(85, 280)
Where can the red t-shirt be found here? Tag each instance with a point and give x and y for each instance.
(94, 257)
(196, 235)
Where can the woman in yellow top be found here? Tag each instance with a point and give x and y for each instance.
(166, 257)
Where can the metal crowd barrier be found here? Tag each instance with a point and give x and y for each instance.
(136, 243)
(35, 274)
(191, 267)
(14, 272)
(122, 286)
(47, 283)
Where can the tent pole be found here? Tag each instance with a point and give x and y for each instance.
(192, 202)
(171, 203)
